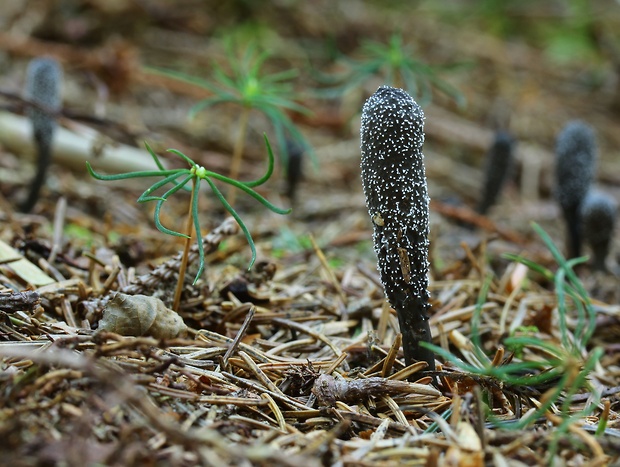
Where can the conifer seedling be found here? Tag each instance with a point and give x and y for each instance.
(195, 174)
(243, 83)
(396, 64)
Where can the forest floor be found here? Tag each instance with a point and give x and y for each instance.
(297, 362)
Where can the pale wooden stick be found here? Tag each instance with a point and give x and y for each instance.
(73, 149)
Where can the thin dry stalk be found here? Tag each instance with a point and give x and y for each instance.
(388, 363)
(244, 328)
(189, 231)
(237, 157)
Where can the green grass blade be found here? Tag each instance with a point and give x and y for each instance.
(475, 321)
(124, 176)
(543, 271)
(233, 213)
(270, 164)
(281, 123)
(210, 102)
(279, 76)
(250, 192)
(144, 197)
(179, 76)
(562, 312)
(225, 82)
(446, 354)
(182, 156)
(154, 156)
(160, 226)
(530, 341)
(159, 205)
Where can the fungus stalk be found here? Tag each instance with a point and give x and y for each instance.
(43, 81)
(294, 168)
(496, 171)
(394, 182)
(598, 215)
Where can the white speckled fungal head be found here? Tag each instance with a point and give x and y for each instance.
(43, 82)
(575, 151)
(394, 182)
(497, 167)
(575, 160)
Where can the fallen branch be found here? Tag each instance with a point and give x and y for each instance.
(73, 149)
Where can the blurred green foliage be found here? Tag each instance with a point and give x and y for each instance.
(395, 63)
(564, 29)
(241, 80)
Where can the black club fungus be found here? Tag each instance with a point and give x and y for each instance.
(394, 181)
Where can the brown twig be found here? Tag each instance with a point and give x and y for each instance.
(468, 215)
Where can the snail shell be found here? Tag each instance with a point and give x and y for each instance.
(139, 315)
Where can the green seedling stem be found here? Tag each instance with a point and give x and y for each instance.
(188, 241)
(235, 164)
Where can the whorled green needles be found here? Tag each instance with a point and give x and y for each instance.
(195, 174)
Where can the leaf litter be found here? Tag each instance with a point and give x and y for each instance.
(304, 371)
(298, 361)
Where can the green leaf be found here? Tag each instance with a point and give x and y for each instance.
(270, 164)
(233, 213)
(144, 197)
(250, 192)
(124, 176)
